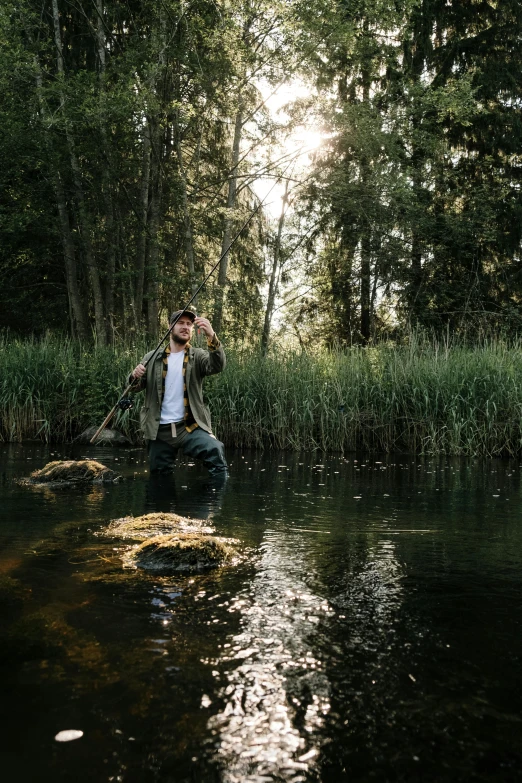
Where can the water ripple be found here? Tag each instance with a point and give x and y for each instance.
(277, 694)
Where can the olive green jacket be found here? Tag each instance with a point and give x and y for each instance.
(200, 364)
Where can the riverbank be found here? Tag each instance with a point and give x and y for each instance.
(422, 397)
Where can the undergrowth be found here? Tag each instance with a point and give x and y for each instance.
(422, 397)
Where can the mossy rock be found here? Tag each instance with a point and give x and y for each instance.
(66, 473)
(182, 552)
(151, 525)
(107, 437)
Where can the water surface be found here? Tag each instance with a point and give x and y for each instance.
(372, 631)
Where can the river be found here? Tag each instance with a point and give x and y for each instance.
(372, 630)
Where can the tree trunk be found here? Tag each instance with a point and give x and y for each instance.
(375, 281)
(366, 237)
(155, 206)
(187, 220)
(79, 317)
(365, 287)
(422, 33)
(217, 320)
(79, 325)
(132, 321)
(144, 213)
(153, 288)
(90, 261)
(272, 286)
(416, 242)
(342, 281)
(106, 177)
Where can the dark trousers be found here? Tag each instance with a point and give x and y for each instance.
(197, 444)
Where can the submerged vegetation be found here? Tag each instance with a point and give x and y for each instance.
(422, 396)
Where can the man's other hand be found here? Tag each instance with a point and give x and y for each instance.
(139, 371)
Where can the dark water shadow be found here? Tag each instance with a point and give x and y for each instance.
(200, 499)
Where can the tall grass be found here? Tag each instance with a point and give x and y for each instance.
(425, 397)
(54, 388)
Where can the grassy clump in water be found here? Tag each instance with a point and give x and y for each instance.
(424, 396)
(151, 525)
(67, 472)
(182, 552)
(45, 636)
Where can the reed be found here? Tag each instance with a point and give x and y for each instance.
(426, 396)
(54, 388)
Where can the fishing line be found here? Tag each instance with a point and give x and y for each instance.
(126, 403)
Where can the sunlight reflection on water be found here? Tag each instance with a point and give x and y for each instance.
(277, 695)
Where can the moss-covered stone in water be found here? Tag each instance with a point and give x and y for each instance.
(150, 525)
(69, 472)
(182, 552)
(107, 437)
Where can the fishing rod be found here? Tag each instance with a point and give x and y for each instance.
(125, 403)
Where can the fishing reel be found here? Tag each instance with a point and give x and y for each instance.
(125, 404)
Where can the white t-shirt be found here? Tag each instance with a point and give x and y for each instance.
(173, 405)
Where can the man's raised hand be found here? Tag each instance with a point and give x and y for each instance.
(205, 326)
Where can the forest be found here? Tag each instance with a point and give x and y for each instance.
(345, 175)
(289, 551)
(371, 152)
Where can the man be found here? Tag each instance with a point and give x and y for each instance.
(174, 416)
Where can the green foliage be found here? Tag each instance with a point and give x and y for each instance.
(417, 190)
(54, 388)
(118, 123)
(430, 397)
(124, 122)
(423, 397)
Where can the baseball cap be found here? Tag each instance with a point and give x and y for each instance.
(189, 313)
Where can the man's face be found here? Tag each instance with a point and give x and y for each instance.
(182, 331)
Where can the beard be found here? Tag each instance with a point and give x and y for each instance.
(177, 338)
